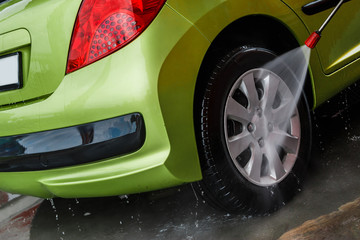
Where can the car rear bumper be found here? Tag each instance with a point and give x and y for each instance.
(132, 81)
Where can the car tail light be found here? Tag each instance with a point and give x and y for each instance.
(104, 26)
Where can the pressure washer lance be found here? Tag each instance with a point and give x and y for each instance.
(315, 36)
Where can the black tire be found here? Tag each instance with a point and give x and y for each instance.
(223, 184)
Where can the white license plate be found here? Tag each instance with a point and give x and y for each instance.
(10, 71)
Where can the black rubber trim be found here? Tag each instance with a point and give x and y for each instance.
(20, 73)
(319, 6)
(72, 145)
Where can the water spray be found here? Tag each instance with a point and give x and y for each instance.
(284, 119)
(277, 116)
(315, 36)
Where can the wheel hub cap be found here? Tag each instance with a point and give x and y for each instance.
(265, 151)
(260, 126)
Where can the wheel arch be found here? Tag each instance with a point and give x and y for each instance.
(257, 32)
(182, 78)
(254, 30)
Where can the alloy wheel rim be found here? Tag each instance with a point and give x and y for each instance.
(262, 127)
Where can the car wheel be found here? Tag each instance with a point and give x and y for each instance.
(253, 135)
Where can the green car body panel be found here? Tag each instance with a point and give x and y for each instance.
(154, 75)
(335, 62)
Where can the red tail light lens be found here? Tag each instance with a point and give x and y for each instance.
(104, 26)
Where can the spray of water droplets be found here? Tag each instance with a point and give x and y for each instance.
(291, 67)
(285, 132)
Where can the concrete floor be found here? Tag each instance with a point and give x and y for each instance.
(333, 180)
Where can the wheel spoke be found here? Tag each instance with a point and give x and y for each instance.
(288, 142)
(236, 111)
(239, 144)
(275, 165)
(253, 167)
(251, 93)
(289, 161)
(270, 89)
(284, 112)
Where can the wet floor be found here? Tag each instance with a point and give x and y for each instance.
(178, 213)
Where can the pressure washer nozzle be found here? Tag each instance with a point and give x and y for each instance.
(313, 39)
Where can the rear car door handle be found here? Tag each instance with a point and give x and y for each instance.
(319, 6)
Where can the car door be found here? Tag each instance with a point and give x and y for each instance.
(340, 43)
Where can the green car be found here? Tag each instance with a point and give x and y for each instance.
(109, 97)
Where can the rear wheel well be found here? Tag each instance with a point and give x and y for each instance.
(257, 31)
(226, 113)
